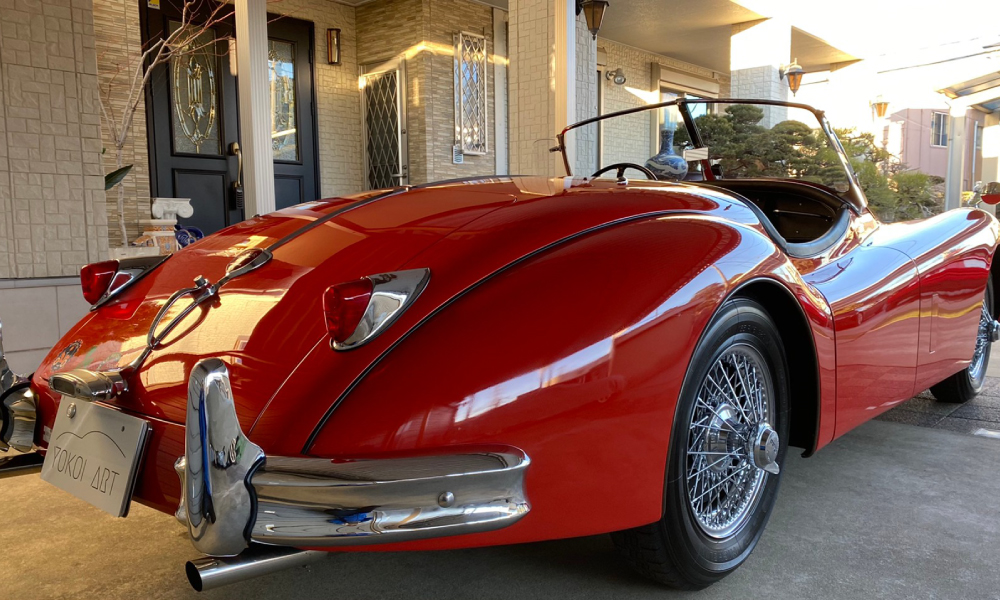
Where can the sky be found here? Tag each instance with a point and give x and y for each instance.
(911, 49)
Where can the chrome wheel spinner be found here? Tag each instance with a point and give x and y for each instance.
(731, 443)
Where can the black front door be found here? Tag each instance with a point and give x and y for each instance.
(193, 120)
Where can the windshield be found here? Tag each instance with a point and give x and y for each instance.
(698, 140)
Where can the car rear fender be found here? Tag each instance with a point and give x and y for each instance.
(576, 356)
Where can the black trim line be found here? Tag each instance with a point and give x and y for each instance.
(291, 236)
(357, 380)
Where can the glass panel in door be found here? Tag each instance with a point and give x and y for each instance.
(281, 75)
(195, 126)
(382, 130)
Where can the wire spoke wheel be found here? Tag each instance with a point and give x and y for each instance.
(983, 340)
(731, 447)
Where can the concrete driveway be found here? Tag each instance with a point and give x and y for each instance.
(888, 511)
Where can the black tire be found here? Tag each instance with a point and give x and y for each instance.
(964, 385)
(675, 550)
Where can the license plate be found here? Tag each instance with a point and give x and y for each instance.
(94, 453)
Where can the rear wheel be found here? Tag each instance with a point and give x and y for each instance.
(964, 385)
(728, 440)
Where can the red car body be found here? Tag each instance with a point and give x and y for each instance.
(560, 319)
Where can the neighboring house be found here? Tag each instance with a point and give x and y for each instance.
(420, 90)
(919, 138)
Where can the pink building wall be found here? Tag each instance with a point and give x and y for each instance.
(912, 145)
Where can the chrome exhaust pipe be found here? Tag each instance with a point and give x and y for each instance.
(209, 572)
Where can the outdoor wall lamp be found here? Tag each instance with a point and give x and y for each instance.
(618, 76)
(593, 11)
(793, 73)
(333, 46)
(879, 106)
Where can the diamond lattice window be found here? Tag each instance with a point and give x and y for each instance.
(470, 93)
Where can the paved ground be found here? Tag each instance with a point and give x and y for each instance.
(888, 511)
(981, 415)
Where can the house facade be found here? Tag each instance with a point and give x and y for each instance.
(919, 139)
(360, 94)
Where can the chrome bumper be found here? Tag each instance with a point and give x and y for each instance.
(234, 495)
(17, 408)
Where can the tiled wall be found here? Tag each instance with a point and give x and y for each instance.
(390, 28)
(35, 314)
(52, 202)
(532, 110)
(627, 138)
(338, 102)
(586, 98)
(446, 18)
(423, 32)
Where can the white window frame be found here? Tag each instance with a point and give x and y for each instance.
(460, 124)
(935, 136)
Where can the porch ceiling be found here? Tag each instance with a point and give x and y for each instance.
(699, 32)
(982, 92)
(695, 32)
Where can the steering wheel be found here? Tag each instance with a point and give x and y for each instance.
(621, 170)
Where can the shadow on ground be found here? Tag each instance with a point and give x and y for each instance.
(887, 511)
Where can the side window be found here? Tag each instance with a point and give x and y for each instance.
(939, 129)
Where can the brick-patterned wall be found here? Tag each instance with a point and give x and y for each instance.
(116, 28)
(586, 98)
(52, 199)
(530, 76)
(758, 49)
(422, 31)
(338, 110)
(626, 139)
(448, 17)
(387, 29)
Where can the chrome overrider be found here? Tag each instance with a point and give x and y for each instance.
(17, 408)
(233, 495)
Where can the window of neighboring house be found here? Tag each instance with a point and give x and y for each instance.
(939, 129)
(470, 93)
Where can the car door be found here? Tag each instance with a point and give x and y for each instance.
(874, 293)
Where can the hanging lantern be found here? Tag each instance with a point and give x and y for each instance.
(593, 11)
(880, 106)
(793, 73)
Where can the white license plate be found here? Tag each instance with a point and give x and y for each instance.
(95, 454)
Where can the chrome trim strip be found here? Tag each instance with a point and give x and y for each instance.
(317, 502)
(232, 495)
(218, 500)
(83, 384)
(392, 293)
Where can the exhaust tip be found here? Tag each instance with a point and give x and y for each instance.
(210, 572)
(194, 576)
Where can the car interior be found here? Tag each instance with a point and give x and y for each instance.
(804, 219)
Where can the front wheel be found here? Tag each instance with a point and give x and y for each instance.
(729, 438)
(964, 385)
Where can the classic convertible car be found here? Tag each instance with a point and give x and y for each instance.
(512, 359)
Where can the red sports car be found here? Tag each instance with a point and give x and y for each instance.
(513, 359)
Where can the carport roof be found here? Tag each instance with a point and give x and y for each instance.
(982, 92)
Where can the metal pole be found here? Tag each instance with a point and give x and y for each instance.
(956, 158)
